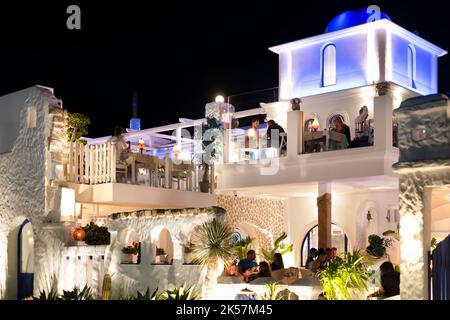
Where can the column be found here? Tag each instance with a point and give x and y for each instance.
(383, 116)
(324, 215)
(294, 133)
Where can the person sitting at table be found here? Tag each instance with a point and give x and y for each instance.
(340, 127)
(122, 146)
(264, 270)
(277, 262)
(277, 130)
(246, 266)
(319, 263)
(311, 257)
(232, 271)
(362, 131)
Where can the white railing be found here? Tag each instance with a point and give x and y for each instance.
(92, 164)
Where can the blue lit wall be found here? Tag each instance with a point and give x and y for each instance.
(426, 67)
(135, 124)
(351, 57)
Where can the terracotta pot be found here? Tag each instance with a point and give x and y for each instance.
(78, 234)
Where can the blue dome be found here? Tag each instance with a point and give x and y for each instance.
(350, 19)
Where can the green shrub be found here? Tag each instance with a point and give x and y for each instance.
(96, 235)
(378, 245)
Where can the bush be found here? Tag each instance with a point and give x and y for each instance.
(130, 250)
(378, 245)
(96, 235)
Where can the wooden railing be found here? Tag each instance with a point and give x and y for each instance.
(92, 164)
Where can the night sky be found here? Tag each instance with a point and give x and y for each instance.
(178, 55)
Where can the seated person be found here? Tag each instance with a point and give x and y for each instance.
(311, 257)
(342, 128)
(232, 272)
(264, 270)
(122, 146)
(362, 131)
(246, 266)
(390, 281)
(318, 264)
(277, 263)
(277, 130)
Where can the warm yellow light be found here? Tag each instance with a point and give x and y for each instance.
(315, 125)
(220, 99)
(141, 143)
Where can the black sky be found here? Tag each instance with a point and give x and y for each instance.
(179, 55)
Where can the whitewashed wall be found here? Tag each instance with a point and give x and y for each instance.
(26, 173)
(348, 212)
(128, 279)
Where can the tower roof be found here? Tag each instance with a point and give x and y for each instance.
(353, 18)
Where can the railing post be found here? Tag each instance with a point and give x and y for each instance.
(167, 171)
(113, 162)
(294, 133)
(69, 165)
(104, 163)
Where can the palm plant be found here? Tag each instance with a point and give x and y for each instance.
(181, 293)
(43, 295)
(242, 247)
(278, 246)
(77, 294)
(272, 292)
(344, 279)
(211, 246)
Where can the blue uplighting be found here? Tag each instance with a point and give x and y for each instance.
(350, 19)
(135, 124)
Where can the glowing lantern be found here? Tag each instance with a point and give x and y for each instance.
(141, 145)
(315, 125)
(78, 234)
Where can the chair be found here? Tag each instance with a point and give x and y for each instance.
(122, 168)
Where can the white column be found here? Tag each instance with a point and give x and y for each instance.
(383, 115)
(294, 133)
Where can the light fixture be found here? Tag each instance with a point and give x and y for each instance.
(315, 125)
(142, 171)
(388, 215)
(141, 145)
(369, 216)
(220, 99)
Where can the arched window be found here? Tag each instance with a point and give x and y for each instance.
(311, 240)
(328, 61)
(412, 66)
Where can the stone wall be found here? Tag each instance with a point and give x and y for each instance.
(27, 174)
(262, 219)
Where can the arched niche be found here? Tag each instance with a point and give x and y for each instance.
(129, 237)
(162, 239)
(339, 240)
(20, 276)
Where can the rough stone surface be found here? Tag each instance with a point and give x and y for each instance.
(262, 219)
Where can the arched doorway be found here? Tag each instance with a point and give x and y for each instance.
(338, 239)
(20, 259)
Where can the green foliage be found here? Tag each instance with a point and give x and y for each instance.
(188, 247)
(130, 250)
(278, 246)
(181, 293)
(272, 292)
(106, 287)
(77, 127)
(52, 295)
(212, 243)
(96, 235)
(434, 243)
(160, 252)
(242, 247)
(392, 233)
(378, 245)
(346, 278)
(77, 294)
(145, 296)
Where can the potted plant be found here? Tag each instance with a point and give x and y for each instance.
(346, 278)
(128, 253)
(187, 251)
(96, 235)
(378, 246)
(209, 145)
(161, 256)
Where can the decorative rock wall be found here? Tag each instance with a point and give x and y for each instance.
(27, 174)
(261, 218)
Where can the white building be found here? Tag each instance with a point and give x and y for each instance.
(350, 193)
